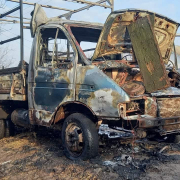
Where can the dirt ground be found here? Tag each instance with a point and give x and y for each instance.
(39, 155)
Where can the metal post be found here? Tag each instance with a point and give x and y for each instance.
(175, 57)
(68, 50)
(21, 34)
(112, 5)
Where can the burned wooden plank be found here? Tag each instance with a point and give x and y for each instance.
(148, 55)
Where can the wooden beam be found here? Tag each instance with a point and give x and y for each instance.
(13, 21)
(46, 6)
(90, 3)
(69, 14)
(17, 17)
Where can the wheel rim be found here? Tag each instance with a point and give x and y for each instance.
(74, 139)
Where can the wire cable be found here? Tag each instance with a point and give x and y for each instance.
(9, 37)
(14, 33)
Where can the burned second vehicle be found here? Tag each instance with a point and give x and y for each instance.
(125, 89)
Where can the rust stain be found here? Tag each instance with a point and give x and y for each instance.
(150, 67)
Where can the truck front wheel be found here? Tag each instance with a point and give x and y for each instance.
(79, 137)
(6, 128)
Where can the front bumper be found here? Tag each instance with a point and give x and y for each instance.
(162, 125)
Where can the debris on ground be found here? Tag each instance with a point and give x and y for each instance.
(26, 156)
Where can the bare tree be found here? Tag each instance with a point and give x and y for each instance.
(4, 62)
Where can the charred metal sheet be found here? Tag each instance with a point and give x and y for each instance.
(115, 64)
(146, 121)
(39, 17)
(115, 37)
(165, 32)
(98, 91)
(49, 87)
(151, 107)
(171, 126)
(148, 56)
(115, 132)
(50, 84)
(168, 107)
(121, 65)
(13, 86)
(134, 88)
(171, 91)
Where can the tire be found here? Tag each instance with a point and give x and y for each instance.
(2, 129)
(79, 137)
(6, 128)
(9, 128)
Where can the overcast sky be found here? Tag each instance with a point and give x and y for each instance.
(167, 8)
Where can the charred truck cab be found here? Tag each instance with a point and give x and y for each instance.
(126, 89)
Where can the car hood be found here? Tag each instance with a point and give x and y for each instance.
(115, 38)
(146, 35)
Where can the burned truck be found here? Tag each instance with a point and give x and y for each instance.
(128, 88)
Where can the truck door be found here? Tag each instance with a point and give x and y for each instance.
(54, 72)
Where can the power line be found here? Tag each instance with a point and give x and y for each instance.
(27, 7)
(30, 7)
(46, 6)
(14, 34)
(9, 37)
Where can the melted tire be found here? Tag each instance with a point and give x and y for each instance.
(2, 129)
(9, 128)
(90, 137)
(6, 128)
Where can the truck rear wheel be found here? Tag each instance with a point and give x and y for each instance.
(6, 128)
(2, 129)
(79, 137)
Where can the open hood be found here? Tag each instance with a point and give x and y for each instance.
(115, 38)
(147, 35)
(38, 18)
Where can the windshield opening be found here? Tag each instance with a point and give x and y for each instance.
(87, 37)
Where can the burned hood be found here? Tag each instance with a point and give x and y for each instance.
(115, 39)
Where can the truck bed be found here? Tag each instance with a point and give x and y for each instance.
(13, 84)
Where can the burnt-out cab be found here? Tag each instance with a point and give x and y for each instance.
(93, 80)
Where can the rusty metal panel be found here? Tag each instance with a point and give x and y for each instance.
(169, 107)
(151, 106)
(13, 86)
(99, 92)
(115, 39)
(165, 32)
(148, 55)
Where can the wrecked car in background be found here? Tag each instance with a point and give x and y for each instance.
(125, 90)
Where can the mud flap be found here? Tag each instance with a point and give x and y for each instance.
(148, 55)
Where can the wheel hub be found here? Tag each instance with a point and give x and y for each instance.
(74, 139)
